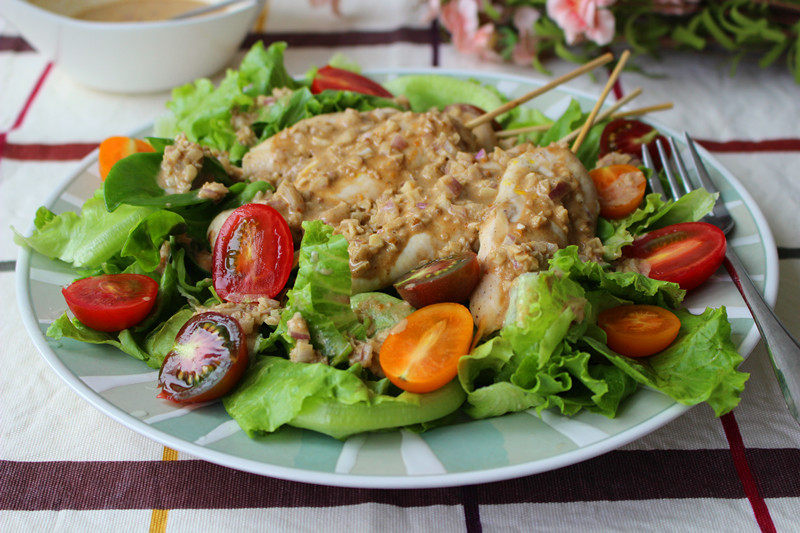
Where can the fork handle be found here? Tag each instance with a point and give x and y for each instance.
(783, 348)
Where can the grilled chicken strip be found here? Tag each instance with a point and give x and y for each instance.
(405, 188)
(545, 201)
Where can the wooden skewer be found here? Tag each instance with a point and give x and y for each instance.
(591, 65)
(604, 115)
(632, 113)
(607, 89)
(521, 131)
(643, 110)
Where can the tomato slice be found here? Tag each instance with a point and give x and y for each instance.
(338, 79)
(639, 330)
(686, 253)
(111, 302)
(253, 254)
(451, 279)
(421, 353)
(620, 189)
(208, 358)
(115, 148)
(628, 136)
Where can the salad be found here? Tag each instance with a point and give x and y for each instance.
(276, 246)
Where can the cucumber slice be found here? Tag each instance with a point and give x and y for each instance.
(425, 91)
(341, 420)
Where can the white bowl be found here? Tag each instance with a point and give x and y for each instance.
(131, 57)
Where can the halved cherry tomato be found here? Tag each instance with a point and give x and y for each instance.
(111, 302)
(451, 279)
(338, 79)
(686, 253)
(421, 353)
(115, 148)
(208, 358)
(639, 330)
(628, 136)
(253, 254)
(620, 189)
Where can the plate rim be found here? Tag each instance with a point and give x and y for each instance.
(24, 300)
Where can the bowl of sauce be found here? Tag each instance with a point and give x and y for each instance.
(133, 46)
(138, 10)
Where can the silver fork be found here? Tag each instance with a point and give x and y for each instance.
(783, 348)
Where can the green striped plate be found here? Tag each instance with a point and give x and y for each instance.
(473, 452)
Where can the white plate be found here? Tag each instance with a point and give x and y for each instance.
(474, 452)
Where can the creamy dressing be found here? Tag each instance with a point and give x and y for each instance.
(138, 10)
(405, 188)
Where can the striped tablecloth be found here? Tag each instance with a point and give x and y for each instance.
(65, 466)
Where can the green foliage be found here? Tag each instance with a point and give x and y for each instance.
(759, 28)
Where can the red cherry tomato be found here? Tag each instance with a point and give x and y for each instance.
(338, 79)
(628, 136)
(686, 253)
(639, 330)
(620, 189)
(451, 279)
(111, 302)
(253, 254)
(208, 358)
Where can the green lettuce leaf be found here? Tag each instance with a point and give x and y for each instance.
(625, 285)
(64, 326)
(654, 214)
(134, 181)
(570, 380)
(274, 392)
(321, 293)
(301, 104)
(203, 111)
(152, 338)
(700, 366)
(427, 91)
(551, 354)
(379, 311)
(95, 236)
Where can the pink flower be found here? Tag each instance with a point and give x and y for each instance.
(460, 17)
(527, 45)
(583, 18)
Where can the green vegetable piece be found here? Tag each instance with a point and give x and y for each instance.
(321, 294)
(626, 285)
(378, 310)
(426, 91)
(336, 402)
(655, 214)
(700, 366)
(94, 236)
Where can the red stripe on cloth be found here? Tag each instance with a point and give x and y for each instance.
(348, 38)
(32, 96)
(738, 452)
(48, 152)
(24, 111)
(14, 44)
(766, 145)
(638, 475)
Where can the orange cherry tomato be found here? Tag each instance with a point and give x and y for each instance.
(620, 189)
(115, 148)
(639, 330)
(421, 353)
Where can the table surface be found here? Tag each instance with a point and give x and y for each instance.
(65, 466)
